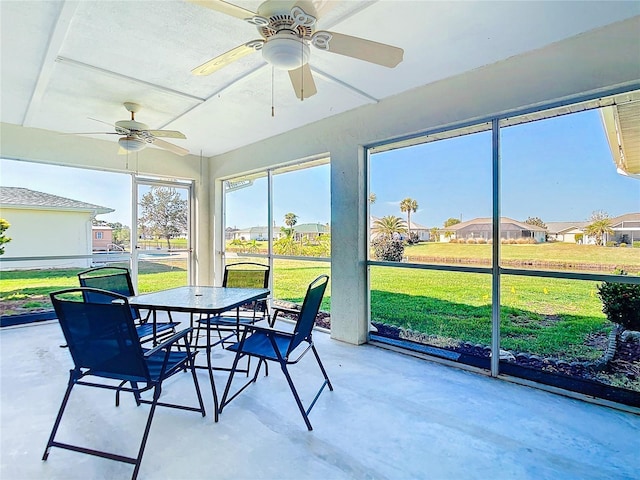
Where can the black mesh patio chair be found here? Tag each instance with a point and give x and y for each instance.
(104, 345)
(238, 275)
(285, 348)
(118, 280)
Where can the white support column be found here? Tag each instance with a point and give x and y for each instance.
(349, 306)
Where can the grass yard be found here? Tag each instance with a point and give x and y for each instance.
(550, 317)
(538, 315)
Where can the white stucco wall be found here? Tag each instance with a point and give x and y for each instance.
(40, 232)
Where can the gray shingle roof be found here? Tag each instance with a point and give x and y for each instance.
(25, 198)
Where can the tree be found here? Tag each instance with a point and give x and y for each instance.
(409, 205)
(433, 233)
(448, 223)
(599, 227)
(290, 219)
(451, 221)
(372, 198)
(4, 225)
(389, 226)
(163, 213)
(535, 221)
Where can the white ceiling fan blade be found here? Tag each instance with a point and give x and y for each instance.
(169, 146)
(225, 7)
(225, 59)
(367, 50)
(302, 81)
(166, 133)
(91, 133)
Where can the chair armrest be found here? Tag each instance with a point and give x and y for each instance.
(266, 330)
(168, 342)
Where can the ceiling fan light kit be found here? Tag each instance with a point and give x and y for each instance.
(132, 144)
(286, 51)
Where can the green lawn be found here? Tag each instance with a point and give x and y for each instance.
(539, 315)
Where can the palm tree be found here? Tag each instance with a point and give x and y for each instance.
(290, 219)
(389, 226)
(409, 205)
(598, 228)
(372, 198)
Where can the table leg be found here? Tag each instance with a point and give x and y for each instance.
(210, 370)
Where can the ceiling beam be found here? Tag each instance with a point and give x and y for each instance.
(56, 40)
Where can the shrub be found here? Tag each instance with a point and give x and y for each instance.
(482, 241)
(610, 243)
(621, 303)
(623, 245)
(387, 248)
(471, 241)
(579, 237)
(636, 244)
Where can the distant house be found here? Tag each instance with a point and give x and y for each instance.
(310, 231)
(259, 233)
(510, 229)
(45, 225)
(626, 229)
(102, 238)
(567, 231)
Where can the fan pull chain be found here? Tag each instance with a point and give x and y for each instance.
(302, 70)
(273, 112)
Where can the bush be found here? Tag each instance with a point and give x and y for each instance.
(636, 244)
(621, 303)
(387, 248)
(413, 238)
(623, 245)
(471, 241)
(610, 243)
(482, 241)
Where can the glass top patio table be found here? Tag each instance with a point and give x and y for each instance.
(199, 300)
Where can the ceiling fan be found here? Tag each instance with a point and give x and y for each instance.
(287, 29)
(136, 135)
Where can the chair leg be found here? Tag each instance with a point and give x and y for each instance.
(56, 424)
(283, 365)
(192, 367)
(324, 372)
(145, 436)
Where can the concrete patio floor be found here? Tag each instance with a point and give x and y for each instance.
(390, 416)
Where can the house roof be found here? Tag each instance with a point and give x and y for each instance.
(482, 221)
(627, 217)
(17, 197)
(560, 227)
(311, 228)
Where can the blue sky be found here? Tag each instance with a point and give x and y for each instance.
(558, 169)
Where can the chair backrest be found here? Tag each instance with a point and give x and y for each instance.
(111, 279)
(247, 275)
(101, 335)
(309, 311)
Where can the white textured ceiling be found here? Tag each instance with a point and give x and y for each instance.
(64, 62)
